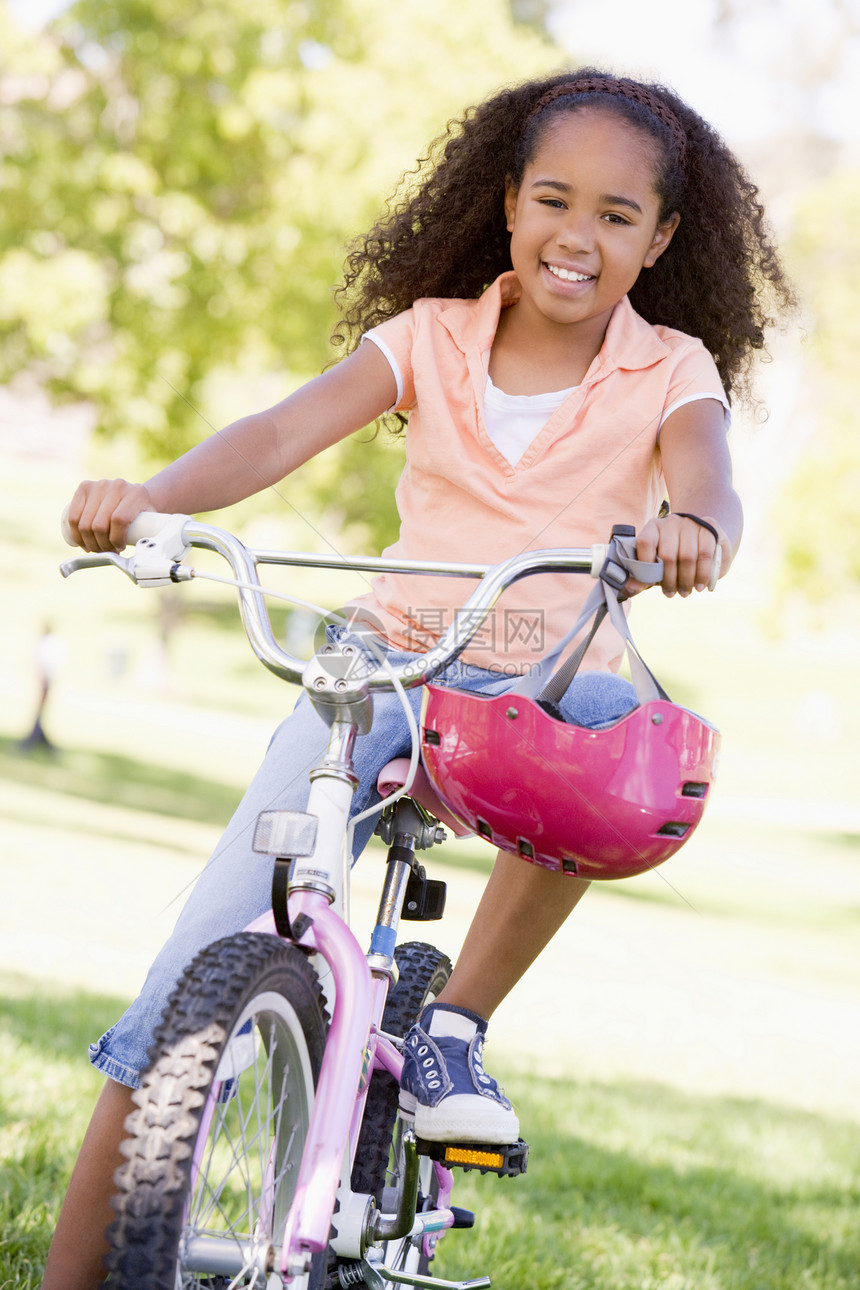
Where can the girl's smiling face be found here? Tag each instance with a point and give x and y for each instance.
(585, 220)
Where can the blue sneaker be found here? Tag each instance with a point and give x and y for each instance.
(444, 1086)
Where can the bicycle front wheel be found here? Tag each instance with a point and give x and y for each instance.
(222, 1119)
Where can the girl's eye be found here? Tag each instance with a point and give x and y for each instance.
(612, 217)
(555, 202)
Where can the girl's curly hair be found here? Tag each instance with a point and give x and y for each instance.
(720, 278)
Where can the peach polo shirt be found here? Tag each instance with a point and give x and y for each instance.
(595, 463)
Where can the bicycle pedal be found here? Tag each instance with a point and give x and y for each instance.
(506, 1161)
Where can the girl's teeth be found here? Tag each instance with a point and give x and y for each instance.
(567, 275)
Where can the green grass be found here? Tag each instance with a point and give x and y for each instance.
(47, 1090)
(634, 1187)
(630, 1186)
(120, 781)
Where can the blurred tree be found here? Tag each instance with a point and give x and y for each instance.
(817, 513)
(180, 181)
(143, 223)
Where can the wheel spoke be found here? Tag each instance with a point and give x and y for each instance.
(248, 1125)
(247, 1128)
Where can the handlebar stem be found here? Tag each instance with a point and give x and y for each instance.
(335, 679)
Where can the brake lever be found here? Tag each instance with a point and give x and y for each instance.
(122, 562)
(154, 562)
(144, 568)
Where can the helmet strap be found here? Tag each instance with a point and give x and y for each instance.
(547, 683)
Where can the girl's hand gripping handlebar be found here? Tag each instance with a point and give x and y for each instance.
(159, 548)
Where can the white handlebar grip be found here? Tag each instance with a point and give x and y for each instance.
(599, 552)
(147, 525)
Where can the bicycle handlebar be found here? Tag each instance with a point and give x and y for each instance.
(161, 542)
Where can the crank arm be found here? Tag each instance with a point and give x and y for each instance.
(377, 1276)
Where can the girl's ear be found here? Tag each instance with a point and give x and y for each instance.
(511, 192)
(663, 236)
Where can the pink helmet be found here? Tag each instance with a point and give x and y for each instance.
(604, 803)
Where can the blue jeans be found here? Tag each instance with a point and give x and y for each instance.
(235, 886)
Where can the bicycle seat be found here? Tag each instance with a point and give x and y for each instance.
(394, 775)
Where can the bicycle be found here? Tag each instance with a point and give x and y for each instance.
(268, 1148)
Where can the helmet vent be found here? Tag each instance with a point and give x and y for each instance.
(692, 789)
(432, 737)
(483, 829)
(526, 849)
(673, 829)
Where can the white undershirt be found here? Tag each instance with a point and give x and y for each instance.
(513, 421)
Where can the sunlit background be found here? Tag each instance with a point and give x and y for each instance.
(177, 184)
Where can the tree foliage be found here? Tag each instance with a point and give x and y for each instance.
(818, 513)
(141, 202)
(180, 181)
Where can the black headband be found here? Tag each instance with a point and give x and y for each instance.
(623, 89)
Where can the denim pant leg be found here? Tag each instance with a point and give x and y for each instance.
(235, 887)
(596, 699)
(592, 699)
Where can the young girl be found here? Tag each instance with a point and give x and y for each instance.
(561, 310)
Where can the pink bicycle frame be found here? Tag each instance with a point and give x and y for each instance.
(354, 1049)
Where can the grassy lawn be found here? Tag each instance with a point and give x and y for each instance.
(630, 1186)
(634, 1187)
(696, 1122)
(46, 1095)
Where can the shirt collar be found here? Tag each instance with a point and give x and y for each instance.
(630, 342)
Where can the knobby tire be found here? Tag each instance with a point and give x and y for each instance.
(240, 1045)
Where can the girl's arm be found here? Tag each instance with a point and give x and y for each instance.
(698, 473)
(253, 453)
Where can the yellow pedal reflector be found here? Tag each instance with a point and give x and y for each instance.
(462, 1156)
(506, 1161)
